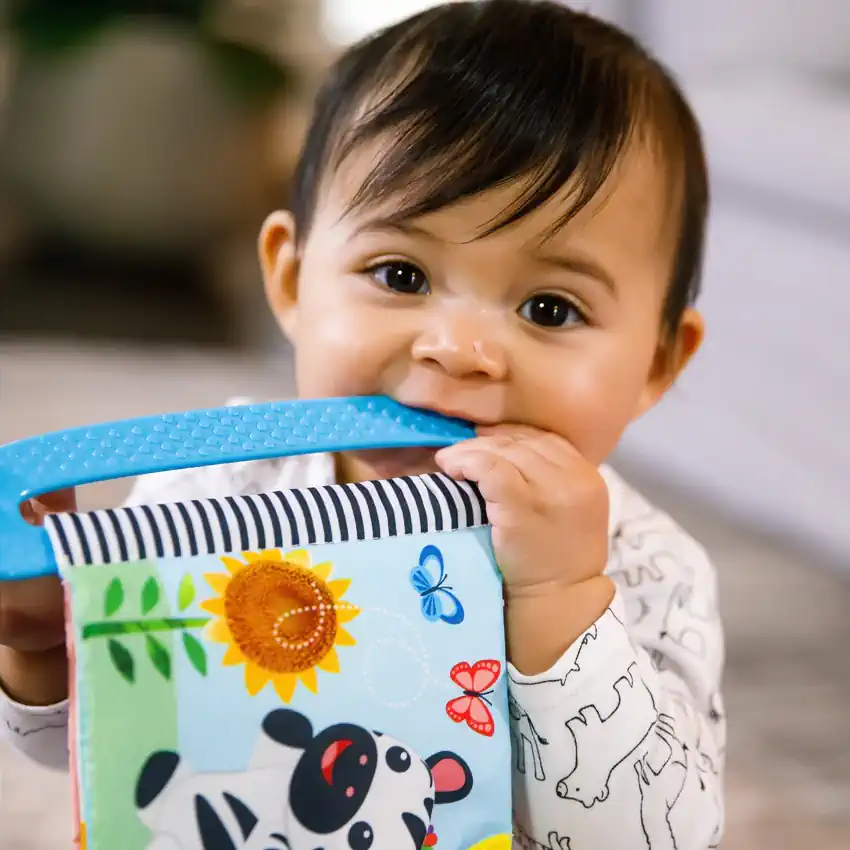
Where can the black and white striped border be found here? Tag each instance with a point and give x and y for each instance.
(330, 514)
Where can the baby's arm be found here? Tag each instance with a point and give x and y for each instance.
(621, 744)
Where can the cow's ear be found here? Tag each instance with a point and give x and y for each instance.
(288, 728)
(452, 777)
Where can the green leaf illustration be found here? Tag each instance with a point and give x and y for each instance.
(123, 660)
(186, 592)
(150, 595)
(159, 656)
(195, 652)
(114, 597)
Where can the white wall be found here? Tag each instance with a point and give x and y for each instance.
(731, 35)
(760, 423)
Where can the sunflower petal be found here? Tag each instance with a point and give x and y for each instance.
(330, 663)
(255, 678)
(323, 571)
(250, 557)
(218, 632)
(233, 565)
(285, 684)
(310, 679)
(344, 637)
(233, 656)
(218, 582)
(338, 586)
(271, 555)
(298, 557)
(214, 606)
(346, 612)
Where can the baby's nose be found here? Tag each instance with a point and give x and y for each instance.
(463, 348)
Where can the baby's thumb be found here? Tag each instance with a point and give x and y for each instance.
(35, 510)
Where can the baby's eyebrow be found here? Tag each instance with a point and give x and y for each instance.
(578, 264)
(389, 225)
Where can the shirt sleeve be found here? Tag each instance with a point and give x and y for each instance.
(39, 733)
(621, 744)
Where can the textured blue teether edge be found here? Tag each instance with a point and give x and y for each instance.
(196, 438)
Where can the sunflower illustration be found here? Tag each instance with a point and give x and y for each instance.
(281, 617)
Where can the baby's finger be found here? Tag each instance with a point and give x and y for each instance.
(532, 458)
(473, 454)
(32, 512)
(550, 445)
(489, 443)
(60, 501)
(538, 468)
(498, 480)
(35, 510)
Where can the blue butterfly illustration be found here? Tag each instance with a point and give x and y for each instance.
(428, 578)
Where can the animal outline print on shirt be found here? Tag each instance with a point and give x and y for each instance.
(587, 783)
(661, 776)
(585, 645)
(684, 622)
(555, 841)
(525, 738)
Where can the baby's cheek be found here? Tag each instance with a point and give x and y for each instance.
(594, 407)
(333, 361)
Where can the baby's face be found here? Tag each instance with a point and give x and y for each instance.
(561, 332)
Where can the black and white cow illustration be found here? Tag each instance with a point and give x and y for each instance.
(345, 788)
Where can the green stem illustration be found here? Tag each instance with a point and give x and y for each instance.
(132, 627)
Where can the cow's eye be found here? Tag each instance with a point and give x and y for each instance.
(398, 759)
(360, 836)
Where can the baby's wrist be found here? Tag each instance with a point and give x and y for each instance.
(543, 621)
(559, 587)
(34, 678)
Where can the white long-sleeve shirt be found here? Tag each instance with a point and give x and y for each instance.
(620, 744)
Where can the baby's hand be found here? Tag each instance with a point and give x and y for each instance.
(32, 617)
(32, 622)
(548, 508)
(547, 505)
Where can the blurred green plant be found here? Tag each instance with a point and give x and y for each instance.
(50, 28)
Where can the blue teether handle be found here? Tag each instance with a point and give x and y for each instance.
(80, 456)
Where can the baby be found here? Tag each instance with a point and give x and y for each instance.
(499, 215)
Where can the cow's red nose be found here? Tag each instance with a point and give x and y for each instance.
(331, 756)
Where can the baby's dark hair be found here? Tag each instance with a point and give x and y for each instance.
(471, 95)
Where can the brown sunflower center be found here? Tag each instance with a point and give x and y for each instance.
(281, 615)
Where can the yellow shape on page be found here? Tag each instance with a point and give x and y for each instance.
(494, 842)
(281, 616)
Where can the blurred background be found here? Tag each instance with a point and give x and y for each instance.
(138, 156)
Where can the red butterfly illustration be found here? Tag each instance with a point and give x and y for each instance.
(477, 681)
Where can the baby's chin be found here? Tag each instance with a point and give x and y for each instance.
(386, 463)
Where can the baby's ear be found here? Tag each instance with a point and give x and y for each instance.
(675, 351)
(279, 263)
(452, 777)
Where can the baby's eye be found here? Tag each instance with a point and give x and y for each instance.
(551, 311)
(404, 278)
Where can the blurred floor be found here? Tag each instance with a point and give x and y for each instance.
(787, 614)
